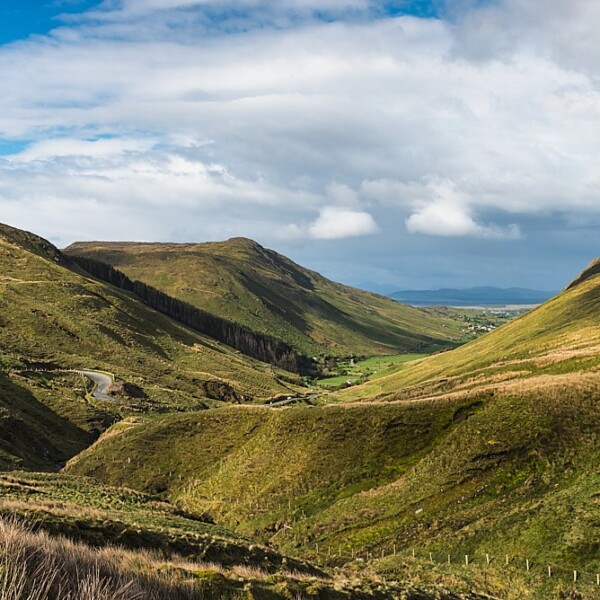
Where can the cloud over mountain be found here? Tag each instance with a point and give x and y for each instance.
(248, 117)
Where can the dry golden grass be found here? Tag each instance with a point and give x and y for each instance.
(37, 566)
(50, 507)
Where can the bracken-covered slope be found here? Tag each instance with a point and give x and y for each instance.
(491, 449)
(266, 292)
(52, 318)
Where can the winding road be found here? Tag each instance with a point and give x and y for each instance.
(102, 381)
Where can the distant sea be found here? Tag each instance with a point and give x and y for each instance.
(477, 297)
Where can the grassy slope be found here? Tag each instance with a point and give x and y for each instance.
(243, 464)
(510, 472)
(101, 515)
(561, 336)
(52, 315)
(246, 283)
(151, 549)
(496, 445)
(44, 420)
(37, 565)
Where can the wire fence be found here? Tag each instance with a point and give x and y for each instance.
(498, 563)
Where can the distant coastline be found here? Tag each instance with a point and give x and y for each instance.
(475, 298)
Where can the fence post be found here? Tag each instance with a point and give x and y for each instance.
(413, 552)
(466, 560)
(527, 564)
(487, 558)
(394, 549)
(430, 557)
(597, 578)
(575, 576)
(549, 571)
(507, 559)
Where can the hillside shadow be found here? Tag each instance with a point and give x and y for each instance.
(32, 433)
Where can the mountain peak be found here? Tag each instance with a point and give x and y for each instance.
(31, 242)
(244, 242)
(590, 271)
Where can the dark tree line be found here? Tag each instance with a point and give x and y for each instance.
(257, 345)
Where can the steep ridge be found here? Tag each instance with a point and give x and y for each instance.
(258, 288)
(591, 270)
(560, 336)
(251, 343)
(52, 318)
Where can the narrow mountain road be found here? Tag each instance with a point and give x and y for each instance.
(102, 381)
(292, 400)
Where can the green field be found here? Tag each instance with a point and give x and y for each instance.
(369, 368)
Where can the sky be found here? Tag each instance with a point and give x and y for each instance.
(389, 145)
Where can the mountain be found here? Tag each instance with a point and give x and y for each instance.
(95, 541)
(476, 296)
(243, 282)
(54, 318)
(471, 473)
(562, 336)
(488, 451)
(590, 271)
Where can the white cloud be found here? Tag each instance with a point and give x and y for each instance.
(149, 108)
(62, 147)
(565, 32)
(343, 194)
(452, 221)
(334, 223)
(137, 7)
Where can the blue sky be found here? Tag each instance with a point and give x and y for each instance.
(22, 18)
(387, 144)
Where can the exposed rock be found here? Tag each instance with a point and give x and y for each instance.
(220, 390)
(125, 389)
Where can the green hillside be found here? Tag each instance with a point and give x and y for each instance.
(561, 336)
(53, 318)
(490, 449)
(504, 473)
(266, 292)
